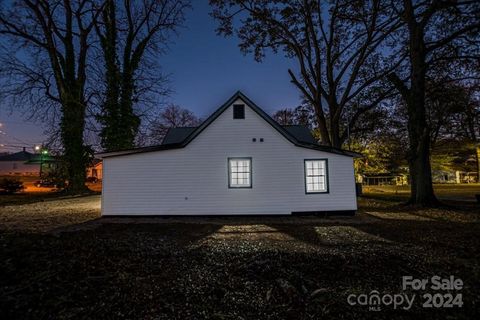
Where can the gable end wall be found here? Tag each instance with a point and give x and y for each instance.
(194, 180)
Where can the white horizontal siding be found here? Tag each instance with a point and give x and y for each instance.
(194, 180)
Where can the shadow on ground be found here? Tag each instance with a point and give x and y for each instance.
(231, 268)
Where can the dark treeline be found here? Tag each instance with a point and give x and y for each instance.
(393, 73)
(71, 59)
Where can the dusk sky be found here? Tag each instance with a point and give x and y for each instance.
(205, 70)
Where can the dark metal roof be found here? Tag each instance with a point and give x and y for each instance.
(301, 133)
(177, 135)
(196, 131)
(18, 156)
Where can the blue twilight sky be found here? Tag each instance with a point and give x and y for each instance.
(205, 70)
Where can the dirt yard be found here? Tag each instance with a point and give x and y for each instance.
(61, 261)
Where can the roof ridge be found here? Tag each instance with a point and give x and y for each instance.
(238, 95)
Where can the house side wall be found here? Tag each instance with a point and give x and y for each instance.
(18, 168)
(194, 180)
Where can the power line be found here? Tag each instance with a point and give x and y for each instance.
(22, 123)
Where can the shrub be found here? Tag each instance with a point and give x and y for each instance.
(10, 186)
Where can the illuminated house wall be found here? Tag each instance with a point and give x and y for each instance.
(193, 180)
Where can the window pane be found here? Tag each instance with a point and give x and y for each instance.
(315, 175)
(240, 172)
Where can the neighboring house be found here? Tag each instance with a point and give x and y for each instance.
(95, 169)
(239, 161)
(45, 163)
(442, 176)
(382, 179)
(15, 164)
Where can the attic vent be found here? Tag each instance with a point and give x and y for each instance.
(238, 111)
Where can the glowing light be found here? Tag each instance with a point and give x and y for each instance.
(37, 148)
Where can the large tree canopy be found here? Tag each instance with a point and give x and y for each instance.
(132, 35)
(337, 45)
(54, 39)
(51, 64)
(435, 32)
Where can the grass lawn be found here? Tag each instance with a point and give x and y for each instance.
(458, 192)
(61, 261)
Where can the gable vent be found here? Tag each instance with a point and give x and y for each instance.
(238, 111)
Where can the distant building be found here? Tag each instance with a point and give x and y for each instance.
(15, 164)
(95, 169)
(382, 179)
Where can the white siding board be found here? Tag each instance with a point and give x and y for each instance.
(194, 180)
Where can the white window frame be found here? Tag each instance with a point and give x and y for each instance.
(314, 174)
(232, 174)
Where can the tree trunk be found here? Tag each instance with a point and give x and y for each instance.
(119, 122)
(72, 127)
(418, 130)
(335, 133)
(130, 122)
(110, 115)
(420, 170)
(322, 125)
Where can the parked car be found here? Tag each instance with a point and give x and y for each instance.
(45, 183)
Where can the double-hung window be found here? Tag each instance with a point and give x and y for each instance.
(239, 172)
(316, 176)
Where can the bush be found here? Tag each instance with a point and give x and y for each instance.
(11, 186)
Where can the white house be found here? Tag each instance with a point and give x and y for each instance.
(239, 161)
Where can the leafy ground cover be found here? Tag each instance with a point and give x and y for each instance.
(61, 261)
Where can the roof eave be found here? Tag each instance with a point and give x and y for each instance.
(125, 152)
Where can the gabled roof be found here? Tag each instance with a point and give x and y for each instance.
(301, 133)
(177, 135)
(18, 156)
(287, 133)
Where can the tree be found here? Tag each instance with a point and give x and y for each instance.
(56, 36)
(285, 117)
(172, 116)
(444, 102)
(336, 44)
(381, 141)
(435, 31)
(137, 32)
(302, 115)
